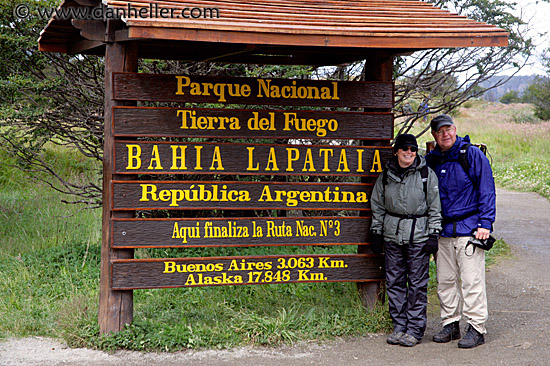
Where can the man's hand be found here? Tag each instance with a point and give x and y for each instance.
(482, 233)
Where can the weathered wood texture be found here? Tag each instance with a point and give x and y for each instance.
(379, 68)
(276, 32)
(185, 195)
(196, 122)
(187, 272)
(248, 159)
(115, 307)
(163, 88)
(239, 232)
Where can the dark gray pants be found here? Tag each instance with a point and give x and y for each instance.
(407, 275)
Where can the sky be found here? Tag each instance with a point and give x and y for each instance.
(537, 13)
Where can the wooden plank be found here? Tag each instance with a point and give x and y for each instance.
(239, 232)
(148, 157)
(340, 8)
(219, 195)
(356, 41)
(115, 307)
(210, 89)
(213, 271)
(377, 67)
(291, 28)
(197, 122)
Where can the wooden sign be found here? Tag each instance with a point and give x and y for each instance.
(239, 232)
(288, 92)
(130, 274)
(240, 123)
(174, 195)
(133, 157)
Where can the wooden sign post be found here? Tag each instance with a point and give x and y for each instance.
(155, 160)
(186, 157)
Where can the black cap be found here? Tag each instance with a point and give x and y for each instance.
(405, 140)
(440, 121)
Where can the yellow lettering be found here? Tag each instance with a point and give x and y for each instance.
(263, 85)
(132, 156)
(217, 159)
(251, 159)
(155, 159)
(148, 190)
(360, 161)
(266, 194)
(291, 159)
(272, 160)
(343, 161)
(325, 153)
(177, 195)
(184, 115)
(182, 81)
(308, 161)
(198, 157)
(169, 267)
(191, 280)
(376, 161)
(176, 157)
(175, 232)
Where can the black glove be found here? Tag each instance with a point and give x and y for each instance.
(431, 244)
(377, 243)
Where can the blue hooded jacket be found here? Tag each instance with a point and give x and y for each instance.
(468, 202)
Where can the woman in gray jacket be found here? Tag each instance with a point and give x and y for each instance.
(406, 222)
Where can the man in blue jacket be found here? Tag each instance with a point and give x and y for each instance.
(467, 192)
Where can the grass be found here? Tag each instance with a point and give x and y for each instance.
(49, 284)
(49, 264)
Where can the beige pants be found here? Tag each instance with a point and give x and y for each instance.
(461, 283)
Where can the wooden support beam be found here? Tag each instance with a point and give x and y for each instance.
(83, 46)
(378, 67)
(115, 307)
(92, 30)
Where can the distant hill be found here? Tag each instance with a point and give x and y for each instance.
(517, 83)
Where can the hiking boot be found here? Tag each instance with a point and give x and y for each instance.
(471, 339)
(395, 337)
(448, 333)
(408, 340)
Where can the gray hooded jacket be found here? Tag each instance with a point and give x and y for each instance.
(405, 196)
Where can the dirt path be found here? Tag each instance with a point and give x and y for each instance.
(519, 318)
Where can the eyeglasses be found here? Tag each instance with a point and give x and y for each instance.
(407, 148)
(443, 131)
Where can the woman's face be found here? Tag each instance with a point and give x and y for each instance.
(406, 156)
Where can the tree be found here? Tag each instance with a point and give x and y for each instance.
(48, 98)
(450, 77)
(511, 97)
(538, 92)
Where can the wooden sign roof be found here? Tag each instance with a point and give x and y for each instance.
(275, 31)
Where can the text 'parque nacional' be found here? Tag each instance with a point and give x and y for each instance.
(262, 89)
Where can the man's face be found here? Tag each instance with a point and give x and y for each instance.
(445, 137)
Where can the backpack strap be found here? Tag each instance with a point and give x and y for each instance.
(463, 159)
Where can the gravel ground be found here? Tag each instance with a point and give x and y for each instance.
(518, 327)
